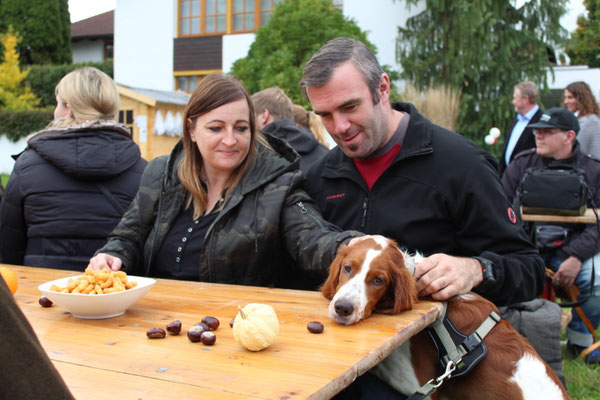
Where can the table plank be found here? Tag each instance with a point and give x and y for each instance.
(588, 218)
(298, 365)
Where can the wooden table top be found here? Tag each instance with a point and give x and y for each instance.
(588, 218)
(112, 358)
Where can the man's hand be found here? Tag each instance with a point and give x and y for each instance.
(567, 272)
(105, 261)
(442, 276)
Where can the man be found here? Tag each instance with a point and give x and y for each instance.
(274, 115)
(396, 174)
(556, 144)
(518, 136)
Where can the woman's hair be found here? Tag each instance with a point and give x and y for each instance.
(90, 94)
(587, 102)
(312, 121)
(212, 92)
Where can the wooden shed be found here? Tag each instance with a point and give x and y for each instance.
(154, 117)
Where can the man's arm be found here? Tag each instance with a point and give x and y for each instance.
(486, 227)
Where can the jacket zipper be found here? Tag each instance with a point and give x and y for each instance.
(304, 210)
(363, 221)
(157, 225)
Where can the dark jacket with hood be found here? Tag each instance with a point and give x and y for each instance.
(301, 139)
(441, 194)
(53, 213)
(582, 239)
(267, 219)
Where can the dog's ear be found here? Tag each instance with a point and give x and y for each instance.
(402, 292)
(329, 288)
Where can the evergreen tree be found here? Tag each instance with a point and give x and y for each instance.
(482, 48)
(13, 94)
(584, 46)
(296, 30)
(44, 26)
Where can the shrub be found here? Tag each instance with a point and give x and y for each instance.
(43, 78)
(17, 124)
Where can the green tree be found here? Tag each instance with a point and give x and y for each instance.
(584, 45)
(296, 30)
(483, 48)
(44, 26)
(14, 95)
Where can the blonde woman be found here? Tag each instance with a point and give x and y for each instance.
(70, 187)
(580, 100)
(312, 121)
(227, 205)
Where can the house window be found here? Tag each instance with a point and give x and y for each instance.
(126, 118)
(209, 17)
(108, 49)
(337, 4)
(187, 83)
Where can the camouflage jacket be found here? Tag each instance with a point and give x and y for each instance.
(268, 227)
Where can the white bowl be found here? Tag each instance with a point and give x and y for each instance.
(97, 306)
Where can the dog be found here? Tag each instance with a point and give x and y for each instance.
(374, 275)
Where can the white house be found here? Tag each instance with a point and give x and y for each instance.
(92, 38)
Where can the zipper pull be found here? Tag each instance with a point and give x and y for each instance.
(364, 216)
(303, 210)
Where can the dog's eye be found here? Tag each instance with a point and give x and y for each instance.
(347, 268)
(377, 281)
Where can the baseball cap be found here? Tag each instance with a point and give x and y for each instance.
(557, 118)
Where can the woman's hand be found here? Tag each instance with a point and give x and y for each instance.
(103, 260)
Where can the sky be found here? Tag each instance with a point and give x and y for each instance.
(82, 9)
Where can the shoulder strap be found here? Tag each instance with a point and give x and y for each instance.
(111, 199)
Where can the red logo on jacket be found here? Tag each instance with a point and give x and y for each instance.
(335, 196)
(512, 216)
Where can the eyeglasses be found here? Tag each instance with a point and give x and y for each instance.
(545, 132)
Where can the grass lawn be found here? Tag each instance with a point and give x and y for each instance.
(582, 379)
(4, 179)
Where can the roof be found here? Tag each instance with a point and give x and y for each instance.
(151, 96)
(97, 27)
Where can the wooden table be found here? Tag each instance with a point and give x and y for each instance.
(588, 218)
(112, 358)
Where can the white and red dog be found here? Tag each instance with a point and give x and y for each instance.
(372, 276)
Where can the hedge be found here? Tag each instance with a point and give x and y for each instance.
(43, 78)
(18, 124)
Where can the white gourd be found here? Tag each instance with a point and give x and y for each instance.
(256, 326)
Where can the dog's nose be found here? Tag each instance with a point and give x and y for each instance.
(343, 308)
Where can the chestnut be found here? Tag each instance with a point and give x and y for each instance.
(174, 328)
(45, 302)
(156, 333)
(231, 322)
(195, 332)
(208, 338)
(315, 327)
(211, 322)
(204, 325)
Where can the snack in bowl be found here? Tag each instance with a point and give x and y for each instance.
(68, 293)
(97, 282)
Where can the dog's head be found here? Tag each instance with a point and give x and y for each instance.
(369, 276)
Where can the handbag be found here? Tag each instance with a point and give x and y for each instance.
(556, 190)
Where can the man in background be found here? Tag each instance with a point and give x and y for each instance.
(519, 136)
(275, 116)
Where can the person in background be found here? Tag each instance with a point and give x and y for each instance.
(580, 100)
(312, 121)
(71, 185)
(519, 135)
(570, 256)
(226, 206)
(27, 372)
(274, 116)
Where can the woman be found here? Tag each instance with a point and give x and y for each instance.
(580, 100)
(226, 206)
(312, 121)
(70, 187)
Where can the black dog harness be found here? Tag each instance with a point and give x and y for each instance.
(457, 353)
